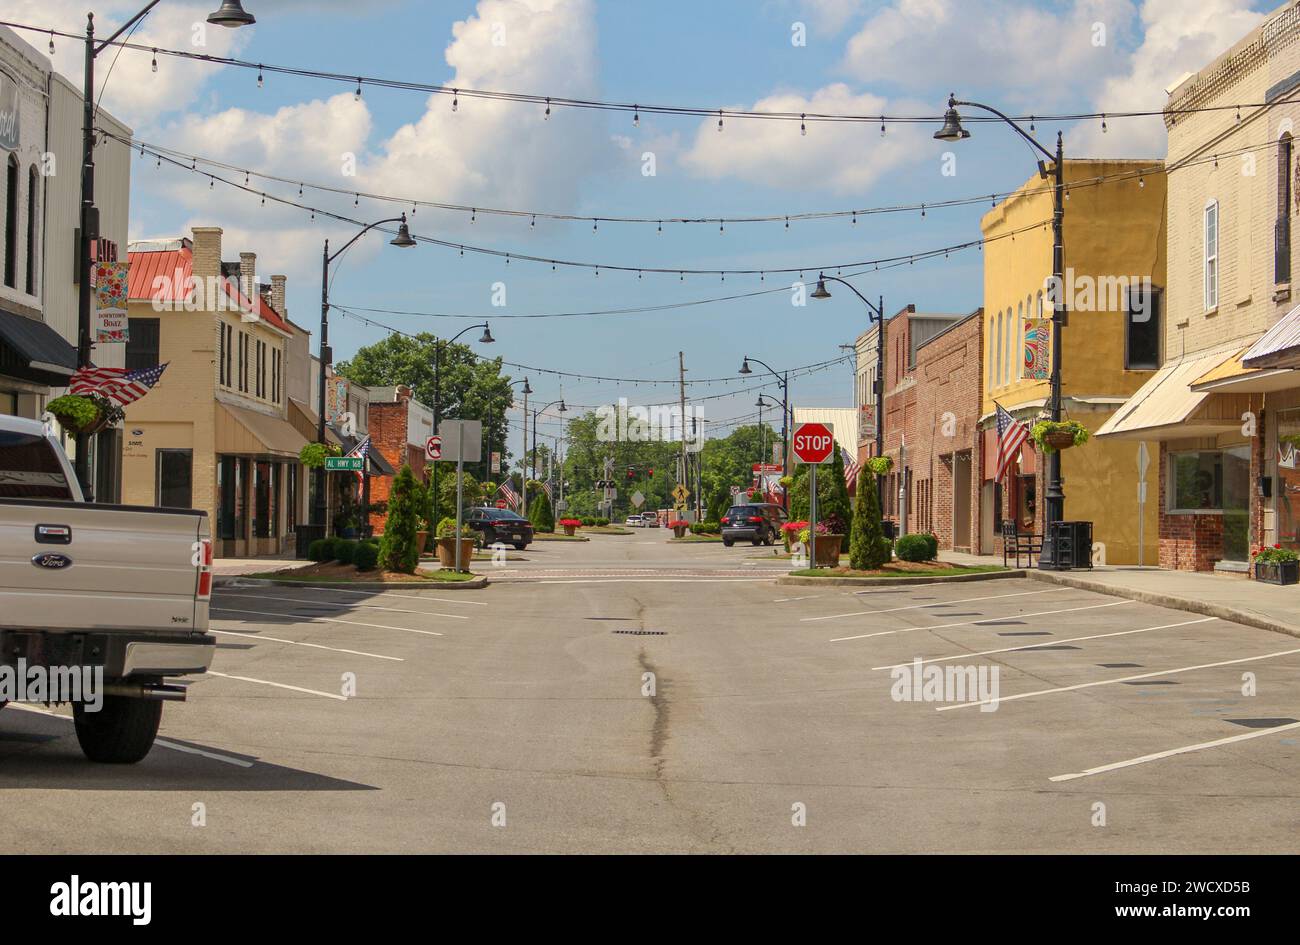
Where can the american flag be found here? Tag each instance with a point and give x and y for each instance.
(510, 495)
(851, 469)
(546, 487)
(120, 385)
(1011, 433)
(362, 449)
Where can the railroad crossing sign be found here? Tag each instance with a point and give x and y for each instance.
(433, 447)
(813, 443)
(681, 493)
(345, 463)
(638, 499)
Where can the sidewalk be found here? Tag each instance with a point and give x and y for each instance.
(230, 567)
(1227, 596)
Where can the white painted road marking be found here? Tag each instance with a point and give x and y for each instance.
(1108, 682)
(983, 620)
(1156, 756)
(353, 623)
(267, 682)
(314, 646)
(786, 600)
(386, 593)
(963, 600)
(330, 603)
(1035, 646)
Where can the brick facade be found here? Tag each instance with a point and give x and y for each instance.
(390, 434)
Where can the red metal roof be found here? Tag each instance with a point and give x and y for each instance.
(165, 275)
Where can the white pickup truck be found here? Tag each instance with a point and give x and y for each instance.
(115, 592)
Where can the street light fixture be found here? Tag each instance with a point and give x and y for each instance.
(403, 239)
(784, 381)
(1054, 496)
(875, 316)
(231, 14)
(438, 345)
(762, 432)
(563, 409)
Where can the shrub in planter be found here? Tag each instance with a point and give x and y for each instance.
(322, 549)
(679, 526)
(914, 548)
(1277, 565)
(366, 556)
(345, 550)
(570, 525)
(587, 521)
(313, 454)
(447, 543)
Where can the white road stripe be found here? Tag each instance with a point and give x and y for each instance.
(786, 600)
(330, 603)
(267, 682)
(160, 741)
(314, 646)
(1156, 756)
(976, 623)
(354, 623)
(1108, 682)
(1035, 646)
(654, 581)
(945, 603)
(386, 593)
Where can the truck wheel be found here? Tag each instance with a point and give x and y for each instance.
(121, 732)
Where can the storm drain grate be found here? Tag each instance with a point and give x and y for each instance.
(1261, 723)
(642, 633)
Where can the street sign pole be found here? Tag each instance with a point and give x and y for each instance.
(812, 515)
(460, 486)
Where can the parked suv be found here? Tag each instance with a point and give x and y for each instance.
(759, 523)
(500, 525)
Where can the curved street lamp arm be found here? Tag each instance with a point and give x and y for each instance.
(877, 311)
(99, 48)
(363, 232)
(470, 328)
(768, 367)
(954, 102)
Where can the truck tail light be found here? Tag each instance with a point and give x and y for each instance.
(205, 570)
(756, 519)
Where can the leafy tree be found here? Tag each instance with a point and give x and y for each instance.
(398, 550)
(867, 537)
(472, 492)
(832, 494)
(719, 504)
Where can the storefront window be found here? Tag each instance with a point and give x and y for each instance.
(1196, 481)
(1286, 492)
(262, 500)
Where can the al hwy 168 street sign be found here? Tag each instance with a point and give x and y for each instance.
(813, 443)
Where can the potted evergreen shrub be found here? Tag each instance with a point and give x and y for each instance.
(1277, 565)
(447, 544)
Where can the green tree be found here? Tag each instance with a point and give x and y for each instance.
(472, 492)
(832, 495)
(398, 550)
(539, 509)
(867, 537)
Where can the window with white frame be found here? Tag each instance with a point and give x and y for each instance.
(1211, 255)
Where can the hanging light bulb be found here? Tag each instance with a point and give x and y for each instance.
(264, 200)
(210, 182)
(356, 200)
(636, 116)
(855, 218)
(719, 119)
(357, 96)
(473, 215)
(300, 190)
(882, 126)
(1142, 182)
(155, 60)
(533, 222)
(1032, 129)
(803, 127)
(455, 99)
(547, 115)
(51, 42)
(923, 210)
(245, 178)
(594, 225)
(660, 228)
(1103, 123)
(722, 227)
(259, 75)
(787, 223)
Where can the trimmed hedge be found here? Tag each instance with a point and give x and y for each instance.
(705, 528)
(322, 549)
(345, 550)
(917, 547)
(366, 556)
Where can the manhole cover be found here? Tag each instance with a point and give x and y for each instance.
(642, 633)
(1260, 723)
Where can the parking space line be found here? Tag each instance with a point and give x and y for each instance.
(1156, 756)
(352, 623)
(786, 600)
(161, 742)
(1109, 682)
(1035, 646)
(277, 685)
(439, 600)
(963, 600)
(330, 603)
(984, 620)
(314, 646)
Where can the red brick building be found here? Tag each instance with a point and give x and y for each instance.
(943, 456)
(399, 426)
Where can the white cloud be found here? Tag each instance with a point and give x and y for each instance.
(844, 157)
(1178, 38)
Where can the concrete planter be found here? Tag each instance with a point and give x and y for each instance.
(447, 552)
(569, 529)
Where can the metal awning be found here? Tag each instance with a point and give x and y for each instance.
(244, 432)
(1166, 407)
(1233, 376)
(33, 351)
(1280, 345)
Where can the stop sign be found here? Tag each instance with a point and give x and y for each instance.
(813, 442)
(501, 503)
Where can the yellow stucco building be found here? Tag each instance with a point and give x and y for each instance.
(1113, 291)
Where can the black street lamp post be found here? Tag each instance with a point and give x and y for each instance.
(232, 15)
(438, 345)
(402, 239)
(784, 381)
(952, 130)
(535, 413)
(875, 315)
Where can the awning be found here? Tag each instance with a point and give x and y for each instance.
(1233, 375)
(1166, 407)
(1279, 346)
(244, 432)
(33, 351)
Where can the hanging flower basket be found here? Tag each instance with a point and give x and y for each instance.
(1052, 436)
(75, 413)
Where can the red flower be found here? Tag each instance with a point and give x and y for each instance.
(1277, 546)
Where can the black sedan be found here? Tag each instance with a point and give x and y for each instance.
(500, 525)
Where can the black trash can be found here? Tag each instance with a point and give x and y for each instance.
(1070, 545)
(305, 535)
(888, 527)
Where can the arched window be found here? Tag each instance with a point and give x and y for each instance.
(1282, 227)
(11, 222)
(1017, 349)
(997, 377)
(33, 186)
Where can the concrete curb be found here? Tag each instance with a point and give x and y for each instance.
(228, 580)
(1258, 621)
(894, 582)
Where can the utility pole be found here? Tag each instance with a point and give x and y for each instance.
(681, 380)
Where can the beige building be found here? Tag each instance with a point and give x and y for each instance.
(1226, 472)
(216, 432)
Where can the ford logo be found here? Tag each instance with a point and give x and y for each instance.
(52, 561)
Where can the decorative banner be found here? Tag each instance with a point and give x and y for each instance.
(1038, 338)
(336, 399)
(111, 324)
(10, 131)
(496, 463)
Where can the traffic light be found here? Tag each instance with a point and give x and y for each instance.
(631, 473)
(650, 473)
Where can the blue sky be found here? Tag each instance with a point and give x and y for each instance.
(901, 57)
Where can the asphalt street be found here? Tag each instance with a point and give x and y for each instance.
(628, 695)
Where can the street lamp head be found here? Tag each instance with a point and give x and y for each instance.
(563, 409)
(744, 366)
(527, 389)
(820, 292)
(487, 338)
(952, 129)
(231, 14)
(403, 237)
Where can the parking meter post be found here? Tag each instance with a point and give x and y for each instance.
(460, 488)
